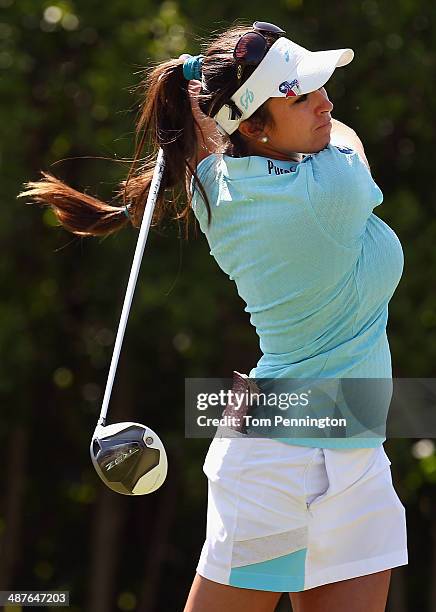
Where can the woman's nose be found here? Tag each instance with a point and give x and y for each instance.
(323, 104)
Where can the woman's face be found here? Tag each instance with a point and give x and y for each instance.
(302, 124)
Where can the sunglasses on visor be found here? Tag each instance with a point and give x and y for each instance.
(252, 47)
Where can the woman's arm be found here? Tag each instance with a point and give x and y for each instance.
(208, 137)
(343, 135)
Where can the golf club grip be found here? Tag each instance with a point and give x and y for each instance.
(137, 259)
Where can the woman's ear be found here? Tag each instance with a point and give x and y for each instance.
(250, 129)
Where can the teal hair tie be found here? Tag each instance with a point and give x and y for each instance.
(192, 67)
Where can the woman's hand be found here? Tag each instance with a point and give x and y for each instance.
(342, 134)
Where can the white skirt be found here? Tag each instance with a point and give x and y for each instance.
(289, 518)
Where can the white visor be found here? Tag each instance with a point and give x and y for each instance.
(286, 70)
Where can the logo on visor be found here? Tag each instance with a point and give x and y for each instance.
(247, 98)
(290, 89)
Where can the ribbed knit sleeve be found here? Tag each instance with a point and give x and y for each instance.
(341, 192)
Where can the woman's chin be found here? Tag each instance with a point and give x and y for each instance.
(320, 147)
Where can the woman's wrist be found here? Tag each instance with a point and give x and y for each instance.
(208, 136)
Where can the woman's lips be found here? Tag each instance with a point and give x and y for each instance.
(325, 124)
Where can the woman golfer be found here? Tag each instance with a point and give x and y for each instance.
(288, 217)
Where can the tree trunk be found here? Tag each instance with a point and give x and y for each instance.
(432, 607)
(10, 542)
(109, 517)
(397, 601)
(105, 544)
(159, 536)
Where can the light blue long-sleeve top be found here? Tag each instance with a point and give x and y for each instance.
(314, 265)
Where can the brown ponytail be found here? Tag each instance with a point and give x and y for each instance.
(165, 120)
(165, 116)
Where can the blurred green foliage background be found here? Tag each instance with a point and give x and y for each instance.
(67, 71)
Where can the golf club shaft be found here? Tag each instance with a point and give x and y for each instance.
(140, 245)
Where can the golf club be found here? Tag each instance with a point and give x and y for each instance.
(129, 457)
